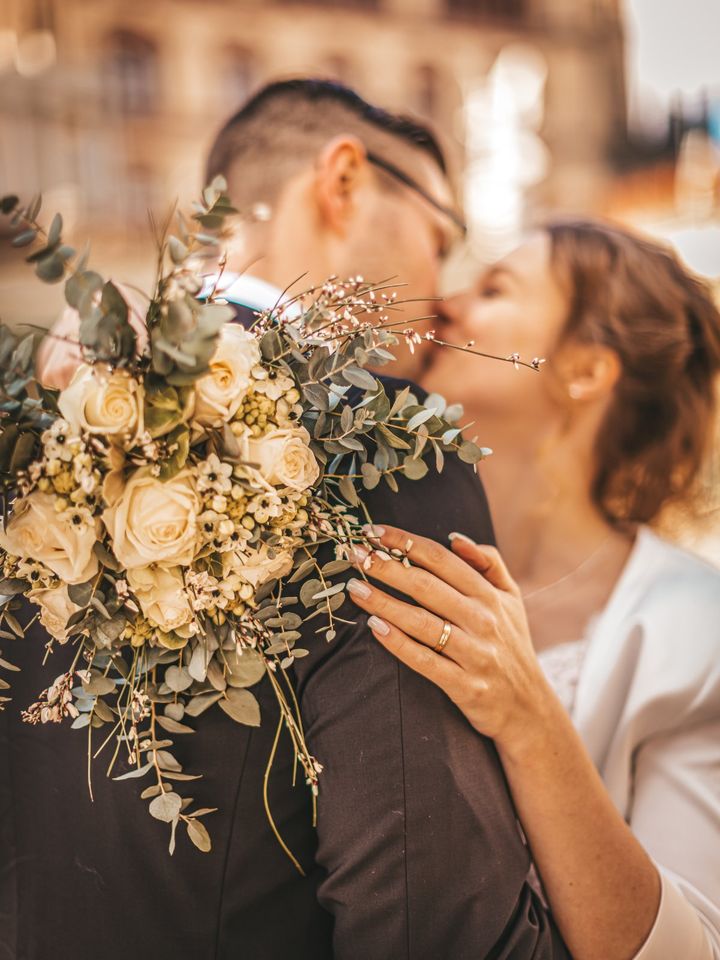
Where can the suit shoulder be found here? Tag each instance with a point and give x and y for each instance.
(436, 505)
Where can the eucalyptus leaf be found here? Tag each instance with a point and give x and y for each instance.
(308, 591)
(11, 587)
(329, 591)
(102, 711)
(199, 835)
(246, 668)
(24, 239)
(241, 706)
(55, 230)
(172, 726)
(392, 439)
(197, 668)
(419, 418)
(360, 378)
(414, 469)
(34, 207)
(99, 685)
(202, 702)
(80, 288)
(166, 807)
(318, 395)
(178, 250)
(8, 203)
(14, 625)
(401, 400)
(371, 475)
(175, 711)
(135, 772)
(178, 678)
(302, 571)
(470, 452)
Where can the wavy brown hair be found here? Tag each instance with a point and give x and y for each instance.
(633, 296)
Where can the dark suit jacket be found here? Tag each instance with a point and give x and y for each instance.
(417, 854)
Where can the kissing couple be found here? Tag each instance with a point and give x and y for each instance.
(520, 749)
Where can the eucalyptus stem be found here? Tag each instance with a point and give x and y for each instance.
(266, 801)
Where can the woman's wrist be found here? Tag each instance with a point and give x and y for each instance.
(535, 732)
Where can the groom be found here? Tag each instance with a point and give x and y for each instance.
(417, 854)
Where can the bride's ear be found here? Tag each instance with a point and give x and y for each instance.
(589, 372)
(341, 168)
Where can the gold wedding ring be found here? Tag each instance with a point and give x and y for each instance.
(444, 637)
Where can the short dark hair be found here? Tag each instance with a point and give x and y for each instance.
(285, 122)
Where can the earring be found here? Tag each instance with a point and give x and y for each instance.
(260, 212)
(575, 391)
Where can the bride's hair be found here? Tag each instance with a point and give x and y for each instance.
(634, 296)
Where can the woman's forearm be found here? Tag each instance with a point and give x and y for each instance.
(602, 887)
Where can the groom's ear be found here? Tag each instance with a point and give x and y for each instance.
(341, 169)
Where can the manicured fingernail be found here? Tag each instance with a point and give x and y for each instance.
(373, 530)
(461, 536)
(359, 589)
(378, 626)
(358, 553)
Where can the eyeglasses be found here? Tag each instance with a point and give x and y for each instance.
(405, 178)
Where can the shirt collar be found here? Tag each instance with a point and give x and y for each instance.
(245, 290)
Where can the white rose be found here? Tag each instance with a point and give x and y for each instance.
(284, 457)
(154, 522)
(56, 608)
(161, 594)
(221, 391)
(257, 566)
(105, 402)
(37, 531)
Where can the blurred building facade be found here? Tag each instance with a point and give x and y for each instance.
(108, 105)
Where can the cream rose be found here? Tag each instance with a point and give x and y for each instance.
(161, 595)
(257, 566)
(221, 391)
(154, 522)
(56, 608)
(37, 531)
(104, 402)
(284, 457)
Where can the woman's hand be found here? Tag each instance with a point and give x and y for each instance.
(488, 665)
(585, 852)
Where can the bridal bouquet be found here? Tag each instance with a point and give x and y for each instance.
(159, 510)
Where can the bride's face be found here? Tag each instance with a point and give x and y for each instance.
(516, 306)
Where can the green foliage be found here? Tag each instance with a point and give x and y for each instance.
(147, 684)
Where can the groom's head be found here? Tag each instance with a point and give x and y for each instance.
(337, 186)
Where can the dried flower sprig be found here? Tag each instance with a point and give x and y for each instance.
(249, 448)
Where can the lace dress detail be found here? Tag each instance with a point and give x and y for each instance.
(561, 665)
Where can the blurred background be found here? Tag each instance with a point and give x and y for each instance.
(601, 106)
(607, 107)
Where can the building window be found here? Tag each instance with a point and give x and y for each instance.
(492, 9)
(131, 73)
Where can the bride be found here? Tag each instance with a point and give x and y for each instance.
(595, 663)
